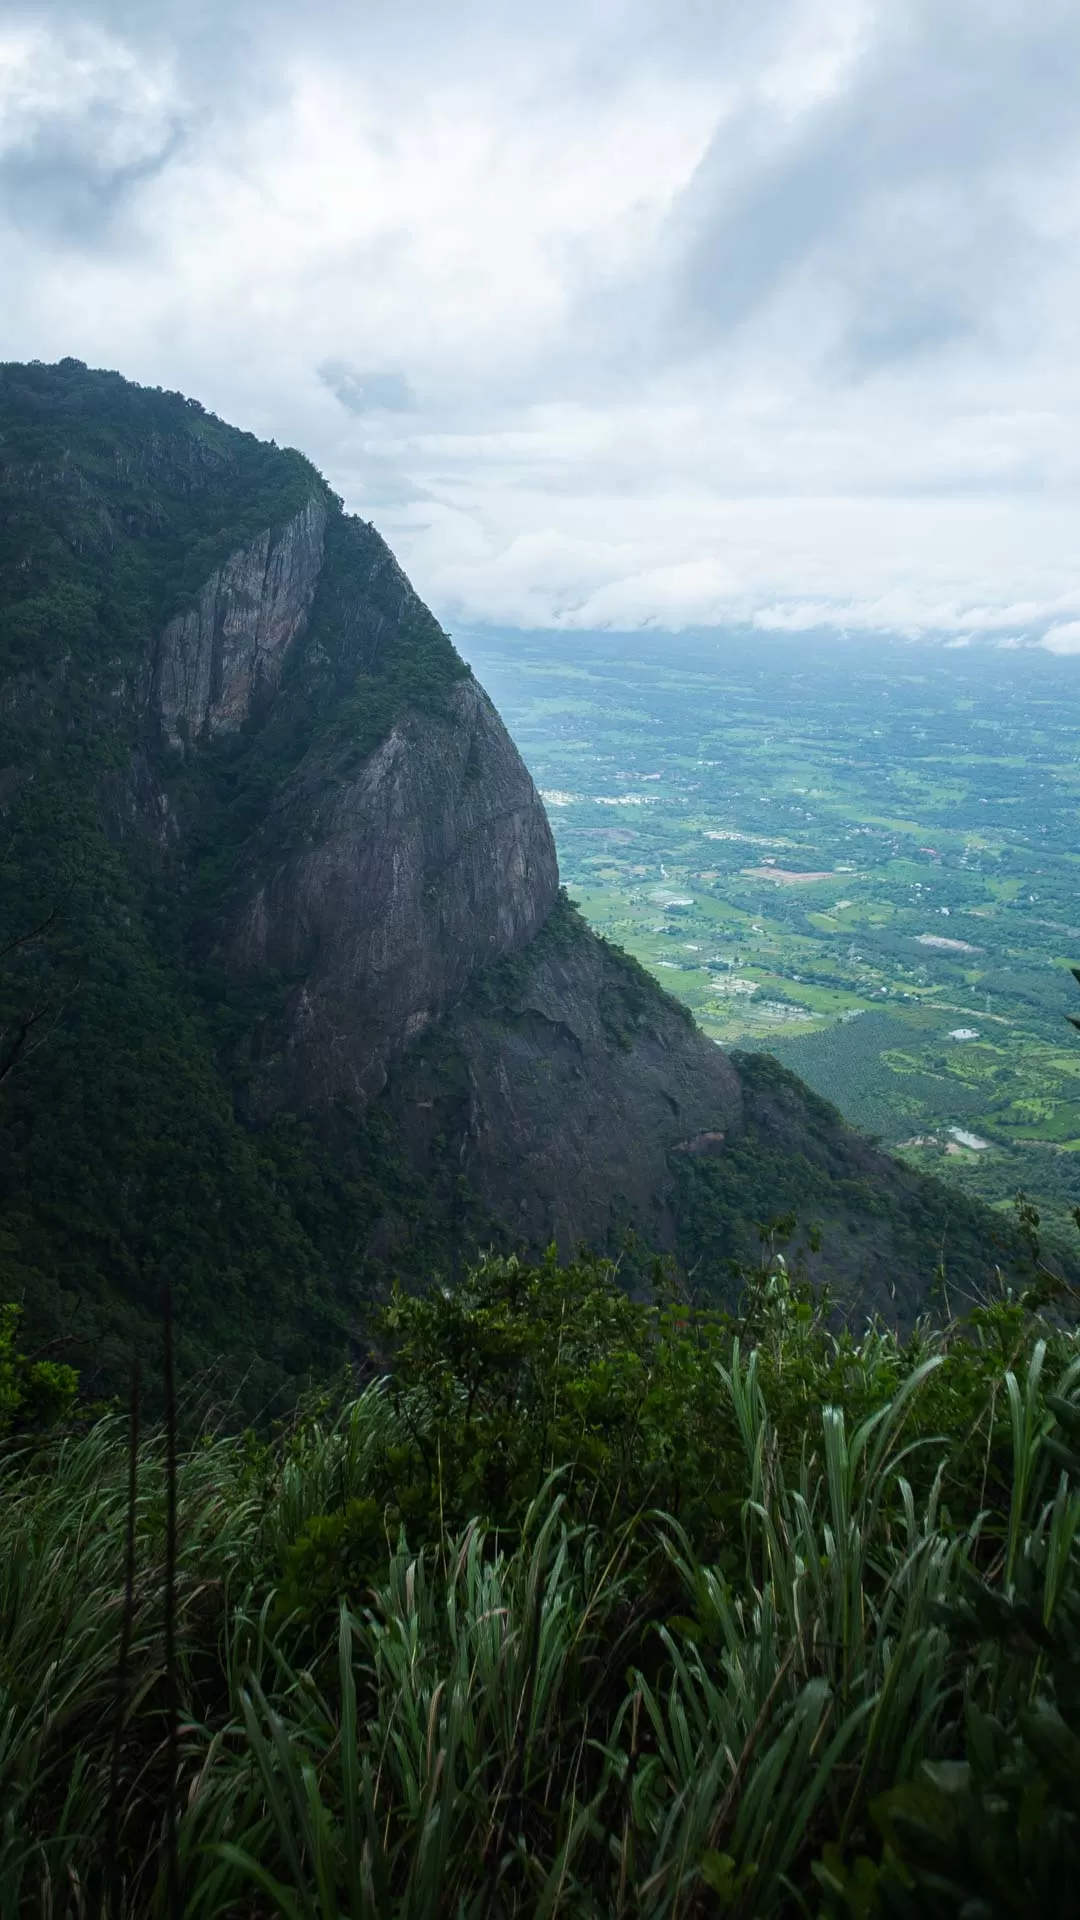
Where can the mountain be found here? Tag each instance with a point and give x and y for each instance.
(290, 997)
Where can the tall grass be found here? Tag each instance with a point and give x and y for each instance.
(568, 1719)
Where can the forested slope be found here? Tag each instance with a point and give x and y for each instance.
(289, 1001)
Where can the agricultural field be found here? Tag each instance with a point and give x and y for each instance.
(864, 861)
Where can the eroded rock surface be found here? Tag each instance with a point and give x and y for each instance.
(430, 860)
(278, 837)
(216, 660)
(563, 1099)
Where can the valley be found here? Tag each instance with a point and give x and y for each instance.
(301, 942)
(862, 860)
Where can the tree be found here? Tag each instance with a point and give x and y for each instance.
(20, 1037)
(33, 1393)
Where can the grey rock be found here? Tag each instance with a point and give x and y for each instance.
(580, 1083)
(430, 860)
(214, 661)
(383, 888)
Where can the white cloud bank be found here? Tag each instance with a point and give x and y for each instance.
(608, 314)
(1064, 638)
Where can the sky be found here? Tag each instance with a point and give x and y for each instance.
(606, 312)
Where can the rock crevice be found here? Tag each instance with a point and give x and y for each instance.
(214, 661)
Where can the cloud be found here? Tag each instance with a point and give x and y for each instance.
(1063, 639)
(84, 124)
(647, 314)
(893, 196)
(367, 391)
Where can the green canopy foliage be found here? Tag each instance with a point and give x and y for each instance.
(126, 1161)
(133, 1152)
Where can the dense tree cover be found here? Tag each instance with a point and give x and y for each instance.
(125, 1161)
(132, 1155)
(587, 1607)
(797, 1157)
(34, 1394)
(119, 501)
(593, 1588)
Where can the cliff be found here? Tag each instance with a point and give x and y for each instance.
(283, 902)
(429, 860)
(217, 662)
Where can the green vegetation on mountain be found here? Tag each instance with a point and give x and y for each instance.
(587, 1608)
(860, 857)
(34, 1394)
(796, 1158)
(608, 1585)
(119, 501)
(144, 1139)
(123, 1162)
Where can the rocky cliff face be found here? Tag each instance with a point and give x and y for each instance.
(566, 1095)
(407, 874)
(213, 664)
(430, 860)
(318, 1017)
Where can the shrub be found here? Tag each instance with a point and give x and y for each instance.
(589, 1607)
(34, 1394)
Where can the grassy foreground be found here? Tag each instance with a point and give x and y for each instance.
(586, 1608)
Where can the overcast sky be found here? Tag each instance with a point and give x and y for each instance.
(607, 312)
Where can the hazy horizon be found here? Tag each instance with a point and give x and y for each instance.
(608, 315)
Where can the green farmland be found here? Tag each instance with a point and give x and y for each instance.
(865, 861)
